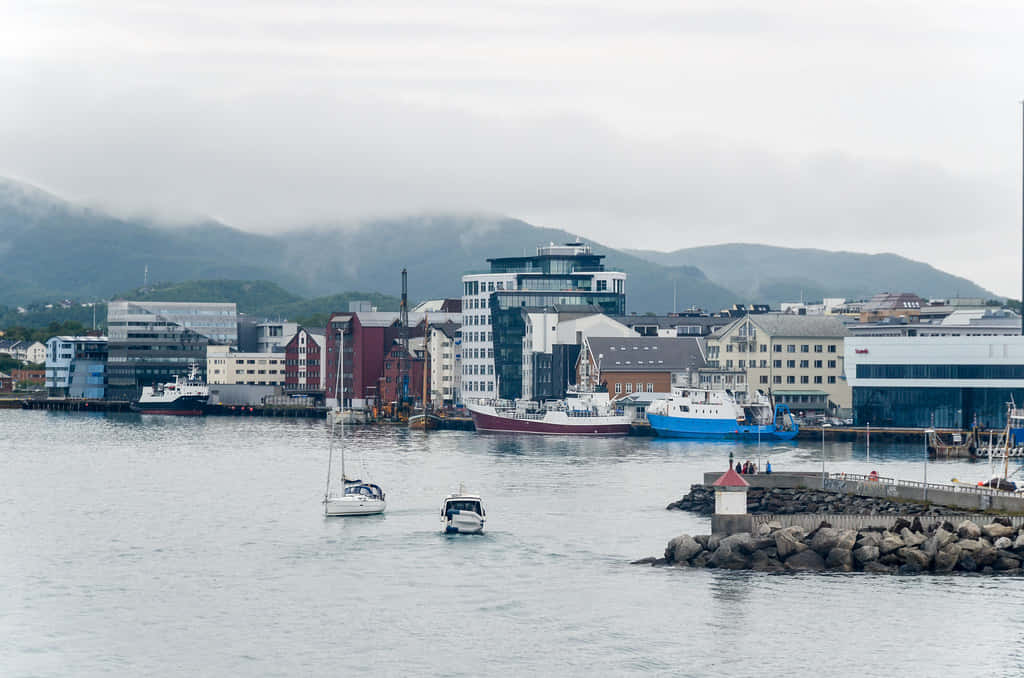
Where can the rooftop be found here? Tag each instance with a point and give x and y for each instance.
(647, 354)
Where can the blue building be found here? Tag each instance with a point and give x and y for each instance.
(76, 367)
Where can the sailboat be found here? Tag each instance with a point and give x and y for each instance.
(356, 498)
(425, 420)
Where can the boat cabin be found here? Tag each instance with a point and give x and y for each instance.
(365, 489)
(462, 503)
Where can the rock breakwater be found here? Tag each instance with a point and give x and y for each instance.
(908, 548)
(701, 499)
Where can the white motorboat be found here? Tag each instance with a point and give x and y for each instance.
(356, 498)
(462, 514)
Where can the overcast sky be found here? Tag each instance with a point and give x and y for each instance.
(874, 126)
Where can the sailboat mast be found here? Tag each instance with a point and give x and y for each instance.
(341, 411)
(426, 363)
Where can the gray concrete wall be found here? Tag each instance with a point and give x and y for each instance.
(961, 496)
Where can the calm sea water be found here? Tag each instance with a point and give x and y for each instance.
(158, 546)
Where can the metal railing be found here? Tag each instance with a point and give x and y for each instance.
(960, 489)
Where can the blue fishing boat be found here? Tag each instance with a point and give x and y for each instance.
(715, 413)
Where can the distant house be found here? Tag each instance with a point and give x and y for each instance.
(6, 383)
(305, 363)
(26, 351)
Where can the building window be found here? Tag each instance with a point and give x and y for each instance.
(791, 379)
(831, 380)
(602, 285)
(629, 387)
(831, 348)
(805, 348)
(804, 364)
(817, 379)
(764, 363)
(639, 388)
(790, 348)
(832, 364)
(777, 347)
(764, 378)
(764, 348)
(804, 380)
(776, 379)
(777, 364)
(618, 388)
(817, 364)
(728, 363)
(728, 348)
(650, 388)
(791, 364)
(817, 348)
(742, 364)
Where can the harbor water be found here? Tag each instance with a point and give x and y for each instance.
(147, 545)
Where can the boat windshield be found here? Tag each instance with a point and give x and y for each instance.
(463, 505)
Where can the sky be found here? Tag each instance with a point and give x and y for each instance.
(863, 126)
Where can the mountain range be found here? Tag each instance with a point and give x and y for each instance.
(52, 249)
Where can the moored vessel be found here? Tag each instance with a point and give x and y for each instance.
(715, 413)
(578, 414)
(186, 396)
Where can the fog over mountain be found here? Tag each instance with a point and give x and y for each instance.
(51, 248)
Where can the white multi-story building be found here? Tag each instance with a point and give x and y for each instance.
(224, 366)
(274, 336)
(443, 350)
(558, 275)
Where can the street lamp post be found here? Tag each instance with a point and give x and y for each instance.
(927, 432)
(823, 427)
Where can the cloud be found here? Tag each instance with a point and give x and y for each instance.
(659, 125)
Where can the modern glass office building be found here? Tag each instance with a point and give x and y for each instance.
(151, 341)
(493, 325)
(948, 382)
(76, 367)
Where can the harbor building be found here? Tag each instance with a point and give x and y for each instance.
(76, 367)
(947, 382)
(623, 366)
(493, 326)
(443, 372)
(225, 366)
(306, 363)
(152, 341)
(796, 358)
(272, 337)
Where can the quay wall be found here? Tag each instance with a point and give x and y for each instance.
(960, 496)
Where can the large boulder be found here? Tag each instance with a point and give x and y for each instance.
(741, 541)
(701, 559)
(911, 538)
(997, 530)
(985, 556)
(762, 562)
(786, 543)
(807, 560)
(968, 530)
(729, 558)
(840, 560)
(869, 538)
(890, 542)
(680, 549)
(866, 553)
(1018, 543)
(970, 545)
(915, 558)
(824, 540)
(1006, 562)
(847, 539)
(967, 563)
(878, 568)
(1003, 543)
(947, 558)
(943, 536)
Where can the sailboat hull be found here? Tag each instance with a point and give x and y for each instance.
(348, 506)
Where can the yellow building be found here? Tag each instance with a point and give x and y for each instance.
(797, 358)
(224, 366)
